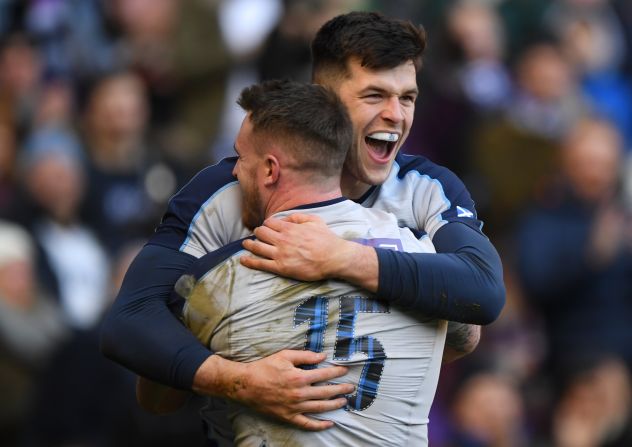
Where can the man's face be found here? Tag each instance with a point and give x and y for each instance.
(246, 170)
(381, 104)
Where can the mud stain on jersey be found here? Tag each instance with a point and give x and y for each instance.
(208, 300)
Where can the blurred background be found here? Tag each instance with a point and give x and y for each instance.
(107, 107)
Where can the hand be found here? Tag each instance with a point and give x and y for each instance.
(299, 246)
(276, 387)
(302, 247)
(608, 236)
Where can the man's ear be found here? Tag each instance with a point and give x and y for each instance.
(272, 170)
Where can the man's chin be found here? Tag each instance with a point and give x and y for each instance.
(377, 175)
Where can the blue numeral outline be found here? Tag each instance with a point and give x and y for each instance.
(314, 312)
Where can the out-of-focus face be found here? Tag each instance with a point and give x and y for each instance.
(118, 108)
(247, 172)
(381, 104)
(543, 73)
(591, 160)
(56, 184)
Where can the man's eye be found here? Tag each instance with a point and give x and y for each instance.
(373, 97)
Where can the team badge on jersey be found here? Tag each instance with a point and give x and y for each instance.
(463, 212)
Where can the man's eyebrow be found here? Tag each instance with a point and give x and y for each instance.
(379, 89)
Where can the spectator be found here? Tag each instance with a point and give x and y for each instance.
(466, 81)
(592, 38)
(125, 192)
(575, 251)
(513, 156)
(54, 180)
(8, 177)
(31, 326)
(178, 50)
(488, 411)
(20, 78)
(595, 407)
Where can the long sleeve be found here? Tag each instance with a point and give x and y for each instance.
(141, 333)
(462, 282)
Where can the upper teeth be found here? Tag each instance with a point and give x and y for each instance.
(384, 136)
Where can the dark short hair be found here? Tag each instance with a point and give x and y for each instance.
(377, 41)
(309, 119)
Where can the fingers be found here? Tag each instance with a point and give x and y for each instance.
(260, 264)
(325, 374)
(275, 224)
(309, 423)
(267, 234)
(315, 375)
(298, 218)
(328, 394)
(259, 248)
(302, 357)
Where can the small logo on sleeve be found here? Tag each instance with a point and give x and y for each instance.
(463, 212)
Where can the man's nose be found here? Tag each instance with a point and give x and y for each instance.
(393, 110)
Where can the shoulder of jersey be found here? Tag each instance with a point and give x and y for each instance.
(422, 165)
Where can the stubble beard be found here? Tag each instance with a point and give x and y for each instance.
(252, 211)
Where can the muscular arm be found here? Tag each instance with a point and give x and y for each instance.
(461, 282)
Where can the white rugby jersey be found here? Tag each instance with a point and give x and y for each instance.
(394, 356)
(206, 214)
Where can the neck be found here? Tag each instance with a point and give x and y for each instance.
(291, 196)
(352, 188)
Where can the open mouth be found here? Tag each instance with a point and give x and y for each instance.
(381, 144)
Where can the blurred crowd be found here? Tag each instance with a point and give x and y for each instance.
(107, 107)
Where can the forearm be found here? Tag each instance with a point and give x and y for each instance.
(220, 377)
(141, 333)
(463, 284)
(357, 264)
(461, 339)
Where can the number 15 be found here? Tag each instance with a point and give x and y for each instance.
(314, 312)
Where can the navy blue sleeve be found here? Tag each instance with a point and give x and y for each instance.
(462, 282)
(141, 333)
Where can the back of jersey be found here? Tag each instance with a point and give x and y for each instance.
(393, 356)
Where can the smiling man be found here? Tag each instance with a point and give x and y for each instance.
(371, 62)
